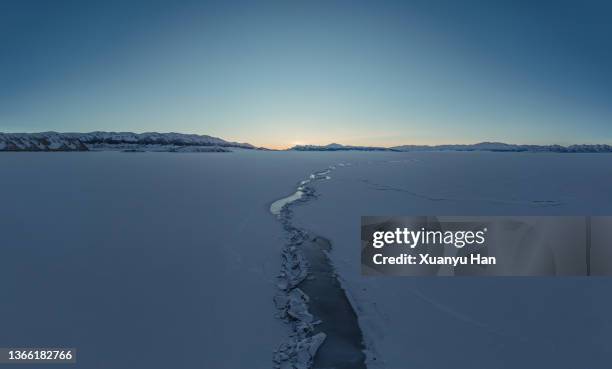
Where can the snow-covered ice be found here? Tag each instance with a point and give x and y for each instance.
(154, 260)
(126, 255)
(468, 322)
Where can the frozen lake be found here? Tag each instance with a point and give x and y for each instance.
(145, 260)
(157, 260)
(469, 322)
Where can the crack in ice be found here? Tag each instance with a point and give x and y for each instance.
(292, 303)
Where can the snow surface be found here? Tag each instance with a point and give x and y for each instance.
(469, 322)
(149, 260)
(158, 260)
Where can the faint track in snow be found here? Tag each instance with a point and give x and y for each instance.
(536, 203)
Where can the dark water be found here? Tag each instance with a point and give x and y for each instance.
(343, 347)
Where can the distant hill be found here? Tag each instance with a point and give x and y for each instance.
(123, 141)
(504, 147)
(482, 146)
(338, 147)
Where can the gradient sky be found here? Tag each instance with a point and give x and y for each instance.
(286, 72)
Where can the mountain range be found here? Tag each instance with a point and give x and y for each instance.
(338, 147)
(179, 142)
(482, 146)
(123, 141)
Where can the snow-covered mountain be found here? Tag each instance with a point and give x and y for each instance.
(45, 141)
(150, 141)
(338, 147)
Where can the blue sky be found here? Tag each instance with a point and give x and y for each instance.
(286, 72)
